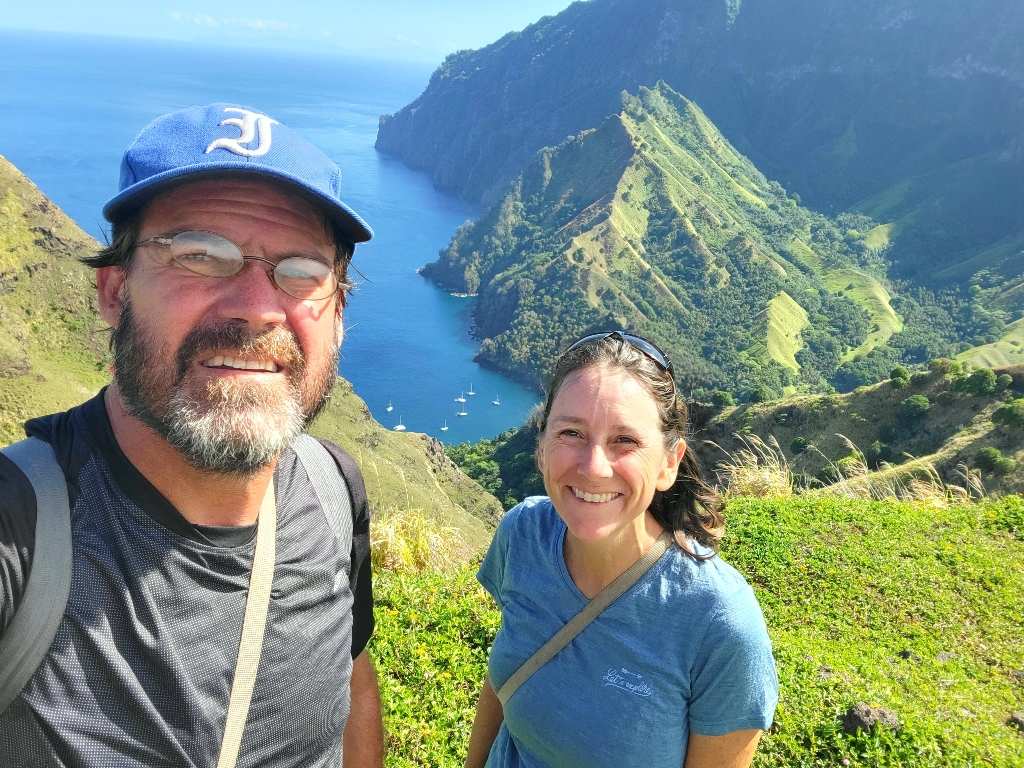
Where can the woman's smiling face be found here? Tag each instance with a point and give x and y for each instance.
(602, 454)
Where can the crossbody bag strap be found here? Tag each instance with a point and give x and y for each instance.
(30, 634)
(579, 622)
(253, 625)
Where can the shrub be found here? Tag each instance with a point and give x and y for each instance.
(722, 399)
(799, 445)
(915, 407)
(987, 458)
(981, 382)
(761, 394)
(888, 433)
(898, 383)
(408, 541)
(943, 366)
(1004, 381)
(899, 372)
(919, 378)
(1004, 466)
(1010, 415)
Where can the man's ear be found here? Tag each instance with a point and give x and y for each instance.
(110, 288)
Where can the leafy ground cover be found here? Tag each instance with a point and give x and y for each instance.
(849, 588)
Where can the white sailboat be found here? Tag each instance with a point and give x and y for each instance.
(462, 413)
(390, 408)
(461, 398)
(445, 427)
(400, 427)
(470, 391)
(496, 400)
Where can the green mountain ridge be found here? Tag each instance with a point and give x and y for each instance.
(656, 223)
(909, 111)
(53, 355)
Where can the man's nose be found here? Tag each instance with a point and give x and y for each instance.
(251, 296)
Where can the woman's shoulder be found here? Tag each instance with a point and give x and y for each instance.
(709, 580)
(534, 515)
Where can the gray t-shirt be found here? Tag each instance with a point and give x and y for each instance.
(140, 671)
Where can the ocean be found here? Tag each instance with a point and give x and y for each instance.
(71, 104)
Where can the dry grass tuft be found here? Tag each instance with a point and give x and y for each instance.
(758, 469)
(407, 541)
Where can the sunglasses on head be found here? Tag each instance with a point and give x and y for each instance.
(640, 345)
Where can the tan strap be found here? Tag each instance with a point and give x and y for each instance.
(590, 611)
(256, 604)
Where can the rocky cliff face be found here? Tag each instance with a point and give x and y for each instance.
(912, 109)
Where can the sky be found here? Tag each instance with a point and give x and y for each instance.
(395, 29)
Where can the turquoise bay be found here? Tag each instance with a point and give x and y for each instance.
(71, 104)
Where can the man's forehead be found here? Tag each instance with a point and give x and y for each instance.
(240, 197)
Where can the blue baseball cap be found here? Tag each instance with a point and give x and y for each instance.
(227, 138)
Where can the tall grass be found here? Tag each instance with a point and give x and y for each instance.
(408, 541)
(760, 469)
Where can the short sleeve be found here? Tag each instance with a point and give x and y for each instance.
(733, 684)
(491, 573)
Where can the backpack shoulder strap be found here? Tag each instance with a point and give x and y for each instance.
(28, 638)
(329, 485)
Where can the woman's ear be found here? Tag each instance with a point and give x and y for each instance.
(670, 467)
(110, 288)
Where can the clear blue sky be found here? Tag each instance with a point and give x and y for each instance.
(401, 29)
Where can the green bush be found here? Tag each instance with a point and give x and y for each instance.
(981, 382)
(722, 399)
(898, 383)
(943, 366)
(761, 394)
(888, 433)
(919, 378)
(1003, 381)
(899, 372)
(988, 458)
(1010, 414)
(799, 445)
(914, 407)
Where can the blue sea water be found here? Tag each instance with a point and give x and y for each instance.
(69, 105)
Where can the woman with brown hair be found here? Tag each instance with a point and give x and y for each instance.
(625, 639)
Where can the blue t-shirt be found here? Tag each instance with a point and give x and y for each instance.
(684, 649)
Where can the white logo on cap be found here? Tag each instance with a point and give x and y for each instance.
(250, 123)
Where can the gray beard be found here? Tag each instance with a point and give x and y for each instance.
(226, 426)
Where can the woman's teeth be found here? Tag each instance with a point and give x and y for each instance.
(600, 498)
(226, 361)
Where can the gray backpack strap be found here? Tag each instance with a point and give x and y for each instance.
(329, 486)
(581, 620)
(28, 638)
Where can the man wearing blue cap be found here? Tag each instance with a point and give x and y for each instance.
(217, 600)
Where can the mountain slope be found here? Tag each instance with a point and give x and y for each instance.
(911, 109)
(655, 222)
(53, 355)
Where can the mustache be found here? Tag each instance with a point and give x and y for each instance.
(277, 344)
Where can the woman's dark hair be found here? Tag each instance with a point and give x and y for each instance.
(691, 509)
(124, 236)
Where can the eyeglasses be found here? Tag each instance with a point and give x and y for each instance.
(210, 255)
(637, 343)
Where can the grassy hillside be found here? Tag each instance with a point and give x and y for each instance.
(907, 606)
(654, 222)
(1009, 350)
(815, 433)
(53, 355)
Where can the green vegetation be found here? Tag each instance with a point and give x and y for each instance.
(908, 606)
(653, 222)
(1008, 350)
